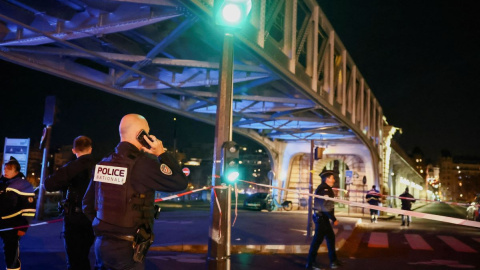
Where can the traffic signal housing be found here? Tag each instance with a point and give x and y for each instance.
(230, 158)
(231, 13)
(318, 154)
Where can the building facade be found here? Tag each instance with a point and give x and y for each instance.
(459, 178)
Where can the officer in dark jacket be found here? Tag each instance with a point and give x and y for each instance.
(324, 213)
(77, 228)
(120, 199)
(407, 200)
(17, 206)
(373, 198)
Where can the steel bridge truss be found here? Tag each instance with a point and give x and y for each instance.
(293, 78)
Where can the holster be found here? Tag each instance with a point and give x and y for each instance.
(67, 208)
(141, 244)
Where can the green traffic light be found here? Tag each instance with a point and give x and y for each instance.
(230, 159)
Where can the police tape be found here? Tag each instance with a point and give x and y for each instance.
(457, 221)
(202, 189)
(31, 225)
(355, 204)
(182, 194)
(404, 198)
(61, 219)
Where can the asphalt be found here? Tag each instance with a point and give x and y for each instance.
(42, 247)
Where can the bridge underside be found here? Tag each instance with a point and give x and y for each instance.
(294, 82)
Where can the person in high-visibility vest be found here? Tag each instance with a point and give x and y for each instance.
(17, 204)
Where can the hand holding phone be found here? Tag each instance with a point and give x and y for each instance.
(152, 145)
(141, 139)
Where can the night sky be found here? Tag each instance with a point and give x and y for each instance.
(420, 58)
(422, 62)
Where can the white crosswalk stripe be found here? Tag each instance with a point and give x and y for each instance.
(456, 244)
(418, 242)
(378, 240)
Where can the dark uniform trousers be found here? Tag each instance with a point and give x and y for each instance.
(323, 229)
(113, 253)
(79, 237)
(10, 248)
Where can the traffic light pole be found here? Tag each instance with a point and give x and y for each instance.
(48, 120)
(220, 215)
(41, 188)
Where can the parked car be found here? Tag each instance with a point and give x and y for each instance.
(256, 201)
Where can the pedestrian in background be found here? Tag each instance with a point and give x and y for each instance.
(75, 178)
(471, 211)
(373, 198)
(120, 199)
(17, 206)
(407, 200)
(477, 201)
(324, 213)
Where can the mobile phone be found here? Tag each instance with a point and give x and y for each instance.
(142, 140)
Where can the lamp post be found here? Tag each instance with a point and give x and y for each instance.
(48, 121)
(229, 14)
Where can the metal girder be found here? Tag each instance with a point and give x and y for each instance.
(189, 21)
(128, 58)
(165, 53)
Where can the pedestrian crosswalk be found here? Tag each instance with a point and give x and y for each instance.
(417, 242)
(378, 240)
(456, 244)
(421, 242)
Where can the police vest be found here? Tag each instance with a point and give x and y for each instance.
(116, 201)
(16, 203)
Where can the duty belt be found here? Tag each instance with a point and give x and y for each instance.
(129, 238)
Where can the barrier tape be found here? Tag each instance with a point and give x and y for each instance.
(405, 198)
(156, 200)
(31, 225)
(182, 194)
(457, 221)
(220, 212)
(236, 205)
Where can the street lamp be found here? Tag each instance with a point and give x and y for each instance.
(230, 14)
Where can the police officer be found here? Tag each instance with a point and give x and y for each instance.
(120, 199)
(407, 200)
(77, 228)
(17, 206)
(323, 214)
(373, 198)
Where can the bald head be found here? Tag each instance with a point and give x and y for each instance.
(130, 126)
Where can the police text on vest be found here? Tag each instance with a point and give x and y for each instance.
(110, 174)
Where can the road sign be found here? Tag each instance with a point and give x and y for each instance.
(348, 177)
(19, 149)
(186, 171)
